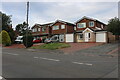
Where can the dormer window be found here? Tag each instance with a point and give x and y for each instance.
(62, 26)
(34, 30)
(43, 29)
(38, 29)
(81, 25)
(55, 27)
(91, 24)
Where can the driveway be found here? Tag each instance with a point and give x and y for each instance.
(79, 46)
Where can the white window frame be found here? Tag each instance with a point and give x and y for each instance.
(56, 27)
(102, 26)
(84, 25)
(89, 35)
(63, 26)
(35, 29)
(91, 22)
(38, 29)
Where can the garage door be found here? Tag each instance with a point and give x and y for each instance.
(100, 37)
(69, 37)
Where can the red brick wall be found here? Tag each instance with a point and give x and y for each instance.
(68, 29)
(87, 24)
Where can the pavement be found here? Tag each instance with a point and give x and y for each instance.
(79, 46)
(91, 62)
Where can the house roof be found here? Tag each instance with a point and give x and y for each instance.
(48, 24)
(96, 30)
(89, 19)
(61, 21)
(42, 25)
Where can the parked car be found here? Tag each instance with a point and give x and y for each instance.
(19, 39)
(37, 40)
(52, 39)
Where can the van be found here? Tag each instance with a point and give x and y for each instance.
(19, 39)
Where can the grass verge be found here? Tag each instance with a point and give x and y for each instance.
(51, 46)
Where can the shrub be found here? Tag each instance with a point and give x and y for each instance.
(6, 41)
(28, 40)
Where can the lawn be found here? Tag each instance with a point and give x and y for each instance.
(51, 46)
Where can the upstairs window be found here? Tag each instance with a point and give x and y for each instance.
(81, 25)
(43, 29)
(74, 27)
(34, 30)
(62, 26)
(38, 29)
(55, 27)
(91, 24)
(102, 26)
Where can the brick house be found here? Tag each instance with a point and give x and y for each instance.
(84, 30)
(41, 30)
(64, 30)
(91, 30)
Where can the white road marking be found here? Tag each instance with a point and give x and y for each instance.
(82, 63)
(1, 77)
(49, 59)
(36, 57)
(12, 54)
(77, 63)
(88, 64)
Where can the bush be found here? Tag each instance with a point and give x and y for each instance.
(6, 41)
(28, 40)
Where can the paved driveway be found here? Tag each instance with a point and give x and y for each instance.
(79, 46)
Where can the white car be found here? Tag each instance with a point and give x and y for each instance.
(53, 39)
(19, 39)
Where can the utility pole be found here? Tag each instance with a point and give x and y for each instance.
(27, 14)
(27, 21)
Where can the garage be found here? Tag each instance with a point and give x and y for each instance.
(101, 37)
(69, 37)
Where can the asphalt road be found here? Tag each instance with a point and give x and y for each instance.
(28, 63)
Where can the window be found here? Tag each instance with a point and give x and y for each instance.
(81, 25)
(62, 26)
(32, 30)
(89, 35)
(81, 36)
(38, 29)
(55, 27)
(91, 24)
(102, 26)
(43, 29)
(35, 29)
(75, 28)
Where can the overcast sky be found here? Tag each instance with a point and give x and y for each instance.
(45, 12)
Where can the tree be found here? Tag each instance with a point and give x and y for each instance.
(21, 28)
(114, 26)
(6, 21)
(7, 26)
(28, 40)
(6, 41)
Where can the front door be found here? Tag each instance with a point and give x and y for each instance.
(87, 37)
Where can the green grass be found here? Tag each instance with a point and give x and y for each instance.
(51, 46)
